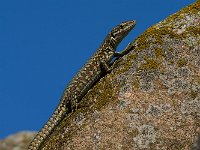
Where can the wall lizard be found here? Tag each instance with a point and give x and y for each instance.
(82, 82)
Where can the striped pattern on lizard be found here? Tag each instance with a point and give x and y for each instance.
(82, 82)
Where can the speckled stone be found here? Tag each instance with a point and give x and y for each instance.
(151, 100)
(18, 141)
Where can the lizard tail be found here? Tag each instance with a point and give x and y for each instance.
(57, 116)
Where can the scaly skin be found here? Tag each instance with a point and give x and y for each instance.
(81, 83)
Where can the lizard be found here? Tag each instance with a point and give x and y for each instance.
(81, 83)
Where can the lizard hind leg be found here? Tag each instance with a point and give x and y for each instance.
(105, 67)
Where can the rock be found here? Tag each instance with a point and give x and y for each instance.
(196, 145)
(151, 100)
(18, 141)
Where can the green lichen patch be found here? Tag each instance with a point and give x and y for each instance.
(194, 30)
(125, 65)
(149, 64)
(191, 9)
(104, 96)
(159, 52)
(136, 83)
(181, 62)
(194, 94)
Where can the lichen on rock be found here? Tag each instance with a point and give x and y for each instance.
(151, 100)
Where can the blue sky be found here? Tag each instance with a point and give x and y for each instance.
(44, 43)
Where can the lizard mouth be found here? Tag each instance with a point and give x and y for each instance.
(128, 25)
(120, 31)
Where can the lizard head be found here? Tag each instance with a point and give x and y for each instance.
(120, 31)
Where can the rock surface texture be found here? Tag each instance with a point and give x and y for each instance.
(151, 100)
(18, 141)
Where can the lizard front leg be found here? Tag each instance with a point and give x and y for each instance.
(125, 51)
